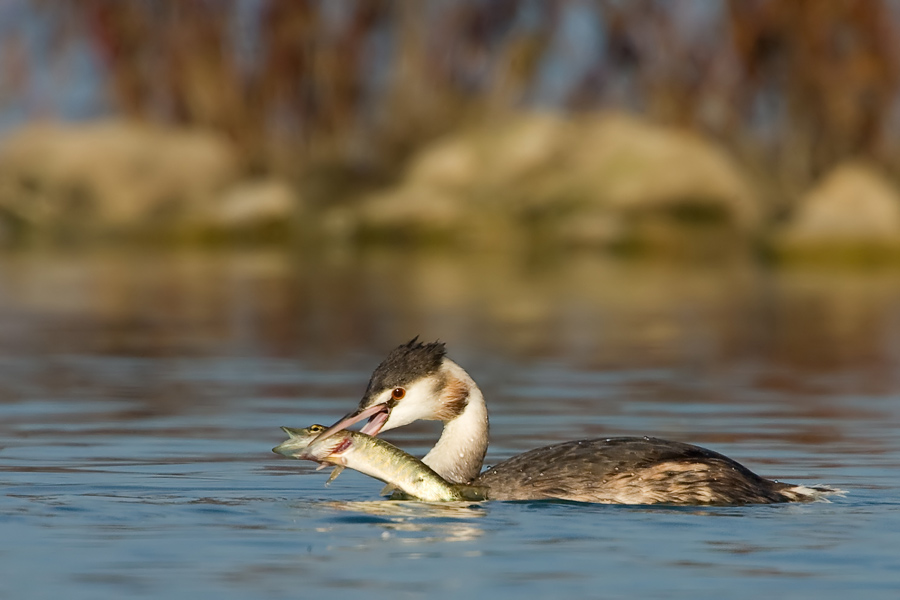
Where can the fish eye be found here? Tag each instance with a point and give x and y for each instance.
(397, 393)
(315, 428)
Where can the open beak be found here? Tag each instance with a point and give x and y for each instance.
(377, 414)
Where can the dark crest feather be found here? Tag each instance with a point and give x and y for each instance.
(405, 364)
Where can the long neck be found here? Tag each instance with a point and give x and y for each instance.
(459, 453)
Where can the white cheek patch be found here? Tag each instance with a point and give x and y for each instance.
(420, 402)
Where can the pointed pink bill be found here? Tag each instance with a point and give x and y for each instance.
(378, 412)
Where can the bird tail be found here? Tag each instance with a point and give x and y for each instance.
(811, 493)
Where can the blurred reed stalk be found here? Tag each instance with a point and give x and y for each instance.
(793, 86)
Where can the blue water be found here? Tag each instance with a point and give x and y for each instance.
(140, 397)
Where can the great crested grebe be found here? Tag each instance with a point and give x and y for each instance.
(418, 381)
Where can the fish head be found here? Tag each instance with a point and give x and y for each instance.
(298, 440)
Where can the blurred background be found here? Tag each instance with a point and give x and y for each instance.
(672, 218)
(342, 142)
(730, 124)
(704, 184)
(378, 163)
(614, 183)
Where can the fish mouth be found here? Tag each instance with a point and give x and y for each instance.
(377, 414)
(286, 449)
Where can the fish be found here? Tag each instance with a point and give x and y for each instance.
(376, 458)
(297, 442)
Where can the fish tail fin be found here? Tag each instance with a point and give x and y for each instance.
(474, 493)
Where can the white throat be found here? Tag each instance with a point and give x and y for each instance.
(459, 453)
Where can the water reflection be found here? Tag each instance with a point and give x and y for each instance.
(439, 521)
(403, 509)
(595, 310)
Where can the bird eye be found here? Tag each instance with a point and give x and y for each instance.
(398, 393)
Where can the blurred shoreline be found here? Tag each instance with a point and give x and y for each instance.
(606, 182)
(757, 127)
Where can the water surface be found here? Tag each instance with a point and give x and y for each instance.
(140, 395)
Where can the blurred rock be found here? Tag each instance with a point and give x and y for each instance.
(112, 176)
(496, 155)
(412, 211)
(854, 209)
(633, 166)
(592, 180)
(257, 204)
